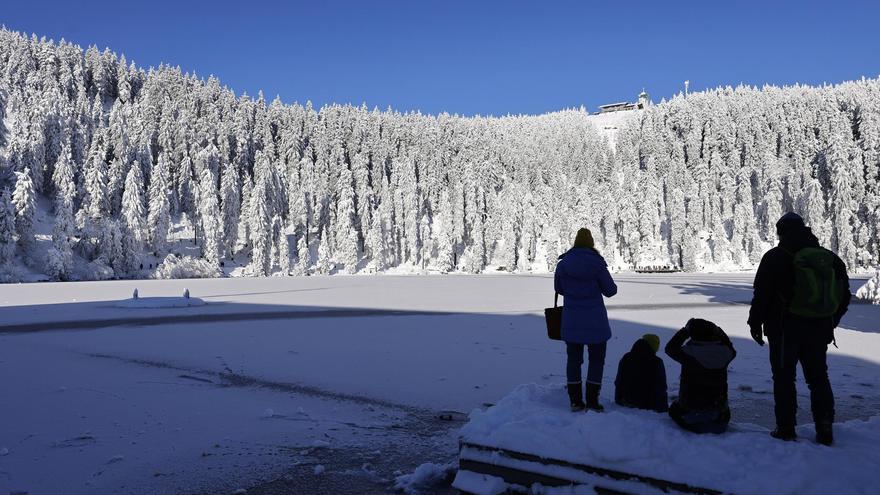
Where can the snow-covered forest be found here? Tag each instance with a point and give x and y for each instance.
(107, 168)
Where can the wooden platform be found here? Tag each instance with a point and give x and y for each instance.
(524, 469)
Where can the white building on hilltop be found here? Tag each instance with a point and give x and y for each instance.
(621, 106)
(612, 116)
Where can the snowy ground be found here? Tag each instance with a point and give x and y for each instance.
(352, 378)
(745, 460)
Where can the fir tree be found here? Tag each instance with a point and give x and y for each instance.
(283, 247)
(59, 263)
(303, 256)
(24, 199)
(324, 265)
(159, 215)
(133, 211)
(260, 228)
(211, 221)
(230, 206)
(7, 228)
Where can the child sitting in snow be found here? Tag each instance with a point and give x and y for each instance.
(704, 351)
(641, 376)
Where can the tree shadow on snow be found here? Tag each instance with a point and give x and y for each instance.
(861, 317)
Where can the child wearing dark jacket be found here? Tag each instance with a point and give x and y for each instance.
(704, 351)
(641, 377)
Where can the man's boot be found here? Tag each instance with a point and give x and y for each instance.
(824, 433)
(574, 395)
(592, 393)
(785, 433)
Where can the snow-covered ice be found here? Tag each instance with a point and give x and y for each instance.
(160, 302)
(354, 370)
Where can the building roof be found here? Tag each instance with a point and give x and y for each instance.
(618, 104)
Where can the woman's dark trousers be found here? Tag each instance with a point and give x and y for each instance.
(595, 362)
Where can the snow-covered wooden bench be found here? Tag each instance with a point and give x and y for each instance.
(531, 438)
(481, 466)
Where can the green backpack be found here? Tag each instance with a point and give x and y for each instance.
(816, 291)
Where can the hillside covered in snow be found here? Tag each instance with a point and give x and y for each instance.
(107, 168)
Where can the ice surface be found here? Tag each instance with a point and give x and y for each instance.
(160, 302)
(185, 403)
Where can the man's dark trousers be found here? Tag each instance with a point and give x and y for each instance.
(805, 342)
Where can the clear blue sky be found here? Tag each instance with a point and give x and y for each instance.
(474, 57)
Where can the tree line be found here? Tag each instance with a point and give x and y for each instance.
(119, 156)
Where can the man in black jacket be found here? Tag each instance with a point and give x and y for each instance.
(704, 351)
(794, 337)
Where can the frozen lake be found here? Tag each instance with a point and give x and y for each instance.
(273, 377)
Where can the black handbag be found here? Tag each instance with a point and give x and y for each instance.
(553, 317)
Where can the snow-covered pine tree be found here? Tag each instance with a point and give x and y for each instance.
(259, 221)
(427, 242)
(303, 256)
(376, 239)
(209, 217)
(133, 211)
(244, 227)
(7, 228)
(746, 237)
(445, 259)
(811, 205)
(123, 85)
(843, 205)
(59, 262)
(230, 207)
(24, 199)
(475, 261)
(159, 214)
(510, 221)
(347, 240)
(324, 265)
(96, 202)
(282, 244)
(186, 195)
(116, 257)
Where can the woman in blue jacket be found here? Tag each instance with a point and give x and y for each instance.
(582, 278)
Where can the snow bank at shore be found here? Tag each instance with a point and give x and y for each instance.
(536, 420)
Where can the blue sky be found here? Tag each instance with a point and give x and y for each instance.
(474, 57)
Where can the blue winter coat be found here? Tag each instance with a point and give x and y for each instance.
(582, 278)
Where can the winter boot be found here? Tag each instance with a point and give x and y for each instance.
(574, 395)
(824, 433)
(592, 393)
(784, 433)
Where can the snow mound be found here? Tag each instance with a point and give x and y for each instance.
(871, 290)
(535, 419)
(425, 478)
(159, 302)
(185, 267)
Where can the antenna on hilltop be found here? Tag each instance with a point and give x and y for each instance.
(686, 83)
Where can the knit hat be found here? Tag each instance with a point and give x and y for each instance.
(789, 222)
(653, 341)
(584, 239)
